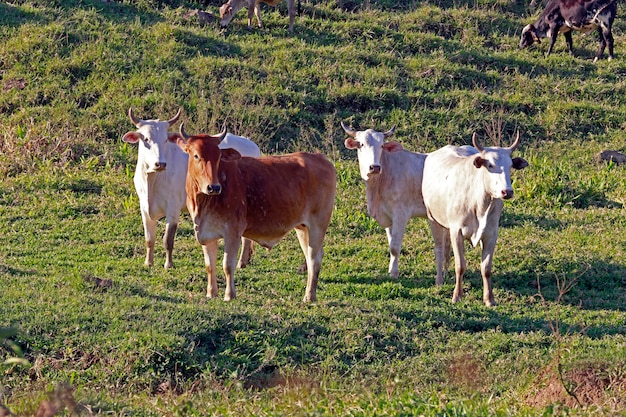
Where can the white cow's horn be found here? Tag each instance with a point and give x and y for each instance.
(175, 118)
(349, 131)
(515, 142)
(475, 142)
(133, 119)
(389, 132)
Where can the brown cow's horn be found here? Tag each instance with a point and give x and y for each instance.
(515, 142)
(390, 132)
(175, 118)
(220, 136)
(475, 142)
(182, 131)
(349, 131)
(133, 119)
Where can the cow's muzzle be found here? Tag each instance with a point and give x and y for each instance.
(374, 169)
(507, 194)
(215, 189)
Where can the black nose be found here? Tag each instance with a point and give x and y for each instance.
(507, 194)
(214, 189)
(160, 166)
(374, 169)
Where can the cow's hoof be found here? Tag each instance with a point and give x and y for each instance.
(490, 303)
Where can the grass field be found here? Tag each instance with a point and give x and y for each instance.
(104, 335)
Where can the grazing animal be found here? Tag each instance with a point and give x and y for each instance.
(259, 198)
(160, 180)
(231, 7)
(564, 16)
(393, 185)
(463, 191)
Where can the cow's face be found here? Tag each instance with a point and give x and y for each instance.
(229, 9)
(529, 36)
(370, 145)
(496, 164)
(154, 142)
(205, 157)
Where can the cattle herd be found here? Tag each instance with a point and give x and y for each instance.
(235, 194)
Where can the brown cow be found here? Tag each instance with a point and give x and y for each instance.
(262, 199)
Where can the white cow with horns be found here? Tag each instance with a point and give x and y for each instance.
(393, 185)
(464, 188)
(160, 178)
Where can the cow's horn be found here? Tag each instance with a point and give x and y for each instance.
(390, 132)
(220, 136)
(182, 131)
(475, 142)
(133, 119)
(175, 118)
(515, 142)
(349, 131)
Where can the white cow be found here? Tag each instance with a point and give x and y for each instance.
(160, 178)
(463, 189)
(393, 185)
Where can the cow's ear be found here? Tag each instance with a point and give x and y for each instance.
(479, 162)
(182, 144)
(173, 137)
(519, 163)
(132, 137)
(230, 154)
(352, 144)
(392, 147)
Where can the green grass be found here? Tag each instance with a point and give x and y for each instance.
(101, 330)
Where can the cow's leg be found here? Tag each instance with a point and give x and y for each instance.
(458, 247)
(602, 45)
(252, 5)
(395, 233)
(608, 35)
(247, 249)
(231, 249)
(150, 231)
(569, 42)
(441, 236)
(554, 31)
(168, 240)
(606, 39)
(254, 8)
(488, 248)
(311, 241)
(291, 8)
(210, 263)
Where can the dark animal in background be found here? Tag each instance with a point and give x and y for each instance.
(564, 16)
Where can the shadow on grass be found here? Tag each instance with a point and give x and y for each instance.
(13, 16)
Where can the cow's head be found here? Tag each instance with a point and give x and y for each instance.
(370, 145)
(497, 163)
(205, 156)
(153, 139)
(529, 36)
(229, 9)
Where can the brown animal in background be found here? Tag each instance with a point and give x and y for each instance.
(231, 7)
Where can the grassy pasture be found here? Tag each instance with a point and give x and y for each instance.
(106, 336)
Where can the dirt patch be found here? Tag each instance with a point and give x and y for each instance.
(467, 373)
(583, 386)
